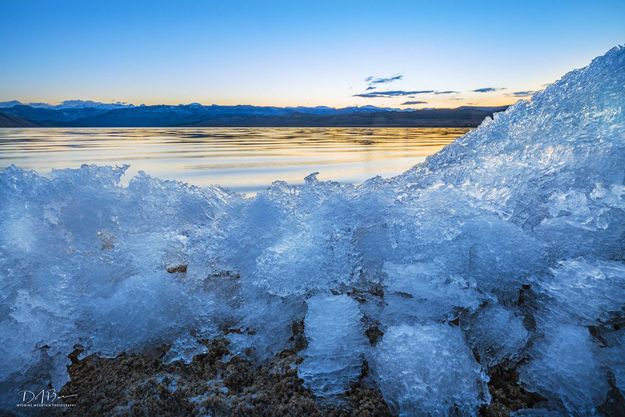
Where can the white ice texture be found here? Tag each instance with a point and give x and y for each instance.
(506, 248)
(429, 370)
(336, 341)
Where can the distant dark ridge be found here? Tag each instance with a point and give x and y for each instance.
(242, 116)
(6, 120)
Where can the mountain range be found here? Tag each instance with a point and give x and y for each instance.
(78, 113)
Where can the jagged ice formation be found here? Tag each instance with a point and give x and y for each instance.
(505, 248)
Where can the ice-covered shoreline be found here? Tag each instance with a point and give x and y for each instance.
(505, 249)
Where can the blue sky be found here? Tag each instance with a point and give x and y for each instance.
(284, 53)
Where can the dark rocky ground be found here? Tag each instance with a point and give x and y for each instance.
(218, 384)
(213, 384)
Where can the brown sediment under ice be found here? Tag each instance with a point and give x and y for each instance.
(214, 383)
(219, 384)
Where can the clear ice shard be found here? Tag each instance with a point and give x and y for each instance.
(506, 248)
(566, 369)
(429, 370)
(497, 335)
(336, 343)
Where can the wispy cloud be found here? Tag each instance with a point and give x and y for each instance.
(408, 103)
(525, 93)
(383, 80)
(486, 89)
(393, 93)
(401, 93)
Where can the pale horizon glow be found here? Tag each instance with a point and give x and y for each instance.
(279, 53)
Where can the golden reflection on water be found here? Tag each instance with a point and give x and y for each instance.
(243, 159)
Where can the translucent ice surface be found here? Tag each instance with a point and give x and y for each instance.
(506, 248)
(497, 334)
(565, 367)
(336, 341)
(429, 370)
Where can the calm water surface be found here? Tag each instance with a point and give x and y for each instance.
(242, 159)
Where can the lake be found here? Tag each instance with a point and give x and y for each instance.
(242, 159)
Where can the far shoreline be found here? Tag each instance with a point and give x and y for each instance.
(248, 127)
(248, 117)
